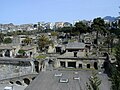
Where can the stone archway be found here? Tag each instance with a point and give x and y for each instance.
(33, 78)
(80, 65)
(18, 82)
(11, 82)
(26, 81)
(31, 54)
(36, 66)
(7, 53)
(95, 65)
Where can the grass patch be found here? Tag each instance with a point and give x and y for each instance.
(71, 40)
(113, 50)
(41, 57)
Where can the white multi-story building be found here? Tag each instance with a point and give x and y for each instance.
(59, 24)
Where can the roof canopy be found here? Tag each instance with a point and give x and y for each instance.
(75, 45)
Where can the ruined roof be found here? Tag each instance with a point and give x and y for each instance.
(6, 46)
(26, 48)
(75, 45)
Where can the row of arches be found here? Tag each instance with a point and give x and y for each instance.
(25, 81)
(74, 65)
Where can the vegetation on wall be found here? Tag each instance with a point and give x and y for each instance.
(7, 40)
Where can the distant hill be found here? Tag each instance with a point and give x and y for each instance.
(118, 17)
(109, 18)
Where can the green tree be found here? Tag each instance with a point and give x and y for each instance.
(65, 29)
(27, 41)
(7, 40)
(119, 23)
(21, 54)
(117, 55)
(43, 42)
(115, 78)
(109, 41)
(94, 82)
(99, 26)
(21, 51)
(115, 71)
(54, 33)
(1, 37)
(80, 27)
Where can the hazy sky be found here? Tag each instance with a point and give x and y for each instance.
(32, 11)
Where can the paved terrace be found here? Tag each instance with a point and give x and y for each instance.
(47, 81)
(16, 59)
(15, 87)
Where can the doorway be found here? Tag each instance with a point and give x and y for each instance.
(62, 63)
(36, 66)
(95, 65)
(26, 81)
(72, 64)
(88, 65)
(80, 65)
(7, 53)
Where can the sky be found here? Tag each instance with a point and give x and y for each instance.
(33, 11)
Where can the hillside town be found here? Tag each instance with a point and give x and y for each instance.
(60, 56)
